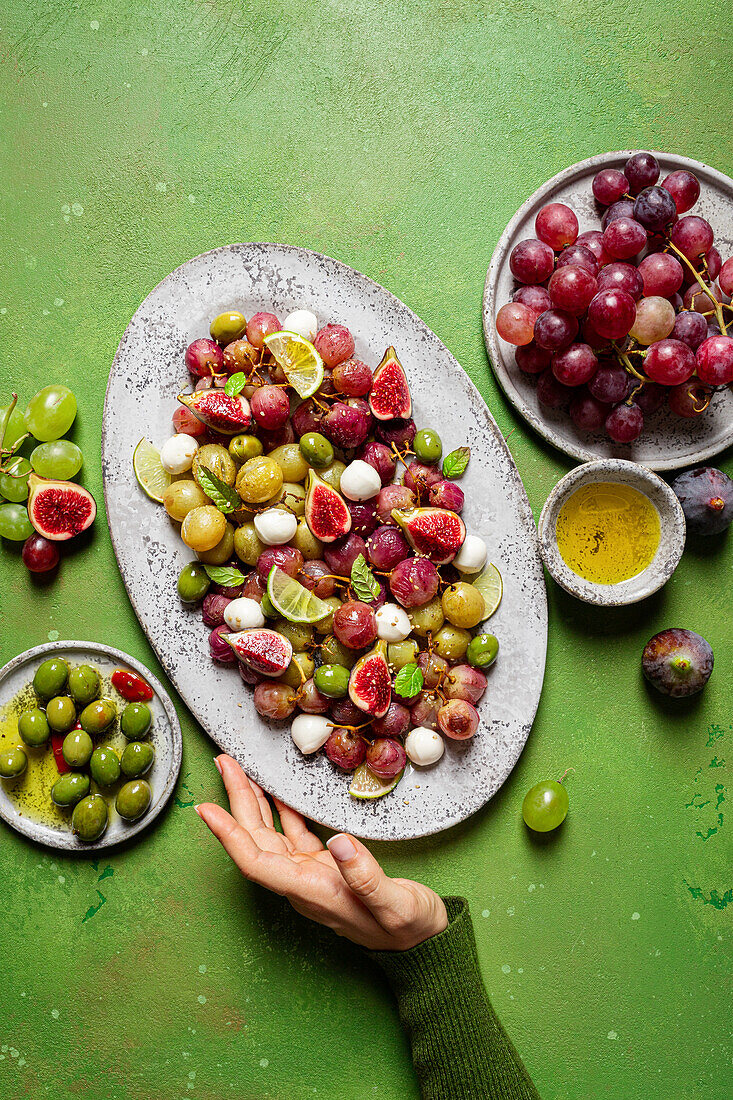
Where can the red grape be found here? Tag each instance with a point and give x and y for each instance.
(399, 432)
(39, 555)
(593, 241)
(714, 359)
(654, 209)
(624, 238)
(381, 458)
(535, 298)
(713, 263)
(393, 496)
(316, 576)
(433, 668)
(662, 274)
(418, 477)
(515, 323)
(458, 719)
(587, 413)
(354, 624)
(552, 393)
(346, 425)
(344, 713)
(625, 423)
(531, 261)
(219, 648)
(622, 209)
(612, 313)
(621, 276)
(261, 325)
(395, 723)
(556, 225)
(346, 749)
(669, 362)
(386, 757)
(580, 256)
(446, 494)
(310, 699)
(555, 329)
(286, 558)
(275, 701)
(414, 581)
(684, 187)
(591, 337)
(204, 357)
(571, 288)
(184, 421)
(254, 587)
(691, 328)
(465, 682)
(341, 554)
(424, 711)
(726, 277)
(270, 407)
(609, 185)
(693, 236)
(213, 608)
(609, 384)
(689, 400)
(575, 365)
(650, 397)
(386, 547)
(334, 344)
(306, 418)
(353, 378)
(655, 318)
(641, 170)
(531, 359)
(699, 300)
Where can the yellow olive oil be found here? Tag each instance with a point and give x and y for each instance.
(607, 532)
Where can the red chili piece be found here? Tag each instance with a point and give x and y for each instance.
(57, 740)
(131, 686)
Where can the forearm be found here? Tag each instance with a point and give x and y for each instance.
(459, 1048)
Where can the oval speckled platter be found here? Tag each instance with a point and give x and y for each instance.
(165, 735)
(668, 442)
(147, 374)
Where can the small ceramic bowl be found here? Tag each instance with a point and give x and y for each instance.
(671, 541)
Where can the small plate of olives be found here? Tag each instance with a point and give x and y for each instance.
(90, 745)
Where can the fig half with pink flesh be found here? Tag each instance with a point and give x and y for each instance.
(59, 510)
(326, 512)
(264, 651)
(434, 532)
(389, 397)
(219, 411)
(370, 683)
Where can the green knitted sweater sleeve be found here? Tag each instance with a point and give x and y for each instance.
(459, 1048)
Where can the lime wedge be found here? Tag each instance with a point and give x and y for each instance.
(151, 477)
(367, 785)
(298, 358)
(491, 587)
(293, 600)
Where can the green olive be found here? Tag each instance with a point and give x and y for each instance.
(193, 582)
(228, 326)
(83, 685)
(244, 447)
(50, 678)
(137, 758)
(482, 651)
(90, 817)
(427, 447)
(135, 721)
(33, 727)
(104, 765)
(60, 713)
(77, 748)
(98, 716)
(12, 763)
(69, 788)
(317, 450)
(332, 680)
(133, 799)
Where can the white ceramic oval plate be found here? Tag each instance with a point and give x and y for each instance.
(147, 374)
(165, 736)
(668, 442)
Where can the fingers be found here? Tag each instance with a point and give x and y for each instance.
(363, 875)
(296, 830)
(243, 801)
(275, 871)
(265, 807)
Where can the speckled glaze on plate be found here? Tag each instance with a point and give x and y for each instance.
(147, 374)
(668, 442)
(165, 736)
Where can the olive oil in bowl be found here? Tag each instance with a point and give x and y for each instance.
(607, 532)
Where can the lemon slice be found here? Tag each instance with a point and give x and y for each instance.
(293, 600)
(367, 785)
(151, 477)
(491, 587)
(301, 362)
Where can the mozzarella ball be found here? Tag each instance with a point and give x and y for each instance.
(360, 481)
(472, 555)
(176, 454)
(242, 613)
(275, 526)
(424, 746)
(303, 322)
(393, 625)
(311, 731)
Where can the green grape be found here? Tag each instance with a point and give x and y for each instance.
(59, 459)
(51, 412)
(545, 806)
(14, 522)
(14, 482)
(12, 426)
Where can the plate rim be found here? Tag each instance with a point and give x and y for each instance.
(52, 838)
(524, 508)
(504, 377)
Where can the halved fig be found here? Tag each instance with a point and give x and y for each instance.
(370, 683)
(326, 513)
(215, 409)
(59, 510)
(390, 394)
(434, 532)
(264, 651)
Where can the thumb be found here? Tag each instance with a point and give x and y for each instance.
(364, 876)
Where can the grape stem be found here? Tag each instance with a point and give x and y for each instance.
(6, 453)
(565, 773)
(703, 285)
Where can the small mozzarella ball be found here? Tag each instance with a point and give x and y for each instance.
(393, 624)
(311, 731)
(303, 322)
(176, 454)
(424, 746)
(360, 481)
(472, 555)
(275, 526)
(242, 613)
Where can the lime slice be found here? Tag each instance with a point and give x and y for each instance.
(301, 362)
(491, 587)
(151, 477)
(293, 600)
(367, 785)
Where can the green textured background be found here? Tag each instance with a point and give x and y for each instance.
(398, 137)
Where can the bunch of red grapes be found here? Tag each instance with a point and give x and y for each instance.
(617, 320)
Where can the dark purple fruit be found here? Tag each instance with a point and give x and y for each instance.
(677, 662)
(706, 496)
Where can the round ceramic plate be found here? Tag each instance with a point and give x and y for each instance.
(668, 442)
(147, 374)
(16, 804)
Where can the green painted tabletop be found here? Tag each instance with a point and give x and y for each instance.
(399, 137)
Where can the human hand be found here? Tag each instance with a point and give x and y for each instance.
(341, 886)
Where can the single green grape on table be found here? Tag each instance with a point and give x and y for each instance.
(14, 522)
(14, 479)
(545, 806)
(12, 425)
(50, 413)
(60, 460)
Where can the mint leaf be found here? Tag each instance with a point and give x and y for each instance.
(224, 575)
(365, 584)
(222, 495)
(455, 463)
(235, 384)
(409, 681)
